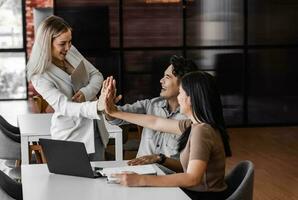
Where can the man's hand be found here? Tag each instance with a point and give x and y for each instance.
(148, 159)
(78, 97)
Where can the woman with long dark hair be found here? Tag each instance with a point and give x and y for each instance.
(203, 143)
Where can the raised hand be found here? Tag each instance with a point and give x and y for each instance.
(109, 104)
(109, 85)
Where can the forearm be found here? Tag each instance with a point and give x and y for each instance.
(108, 117)
(137, 107)
(113, 120)
(174, 180)
(149, 121)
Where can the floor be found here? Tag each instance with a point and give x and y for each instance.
(273, 150)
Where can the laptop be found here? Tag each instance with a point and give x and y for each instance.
(68, 158)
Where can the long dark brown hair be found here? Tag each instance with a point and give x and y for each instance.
(206, 105)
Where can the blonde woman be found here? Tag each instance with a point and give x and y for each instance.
(203, 143)
(53, 60)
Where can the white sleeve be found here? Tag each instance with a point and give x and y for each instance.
(95, 81)
(60, 102)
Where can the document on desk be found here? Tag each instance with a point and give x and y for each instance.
(79, 77)
(139, 169)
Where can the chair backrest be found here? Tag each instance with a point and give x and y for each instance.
(5, 124)
(10, 135)
(9, 188)
(9, 130)
(240, 181)
(9, 149)
(4, 195)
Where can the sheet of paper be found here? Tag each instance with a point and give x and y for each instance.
(139, 169)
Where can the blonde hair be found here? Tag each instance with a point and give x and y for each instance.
(41, 55)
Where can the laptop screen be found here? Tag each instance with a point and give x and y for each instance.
(67, 157)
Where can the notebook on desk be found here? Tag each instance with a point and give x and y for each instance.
(139, 169)
(79, 77)
(68, 158)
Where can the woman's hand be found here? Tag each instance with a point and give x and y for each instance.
(78, 97)
(109, 105)
(108, 85)
(130, 179)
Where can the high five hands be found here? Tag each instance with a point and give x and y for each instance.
(108, 98)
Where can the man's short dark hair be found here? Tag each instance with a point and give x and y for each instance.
(182, 66)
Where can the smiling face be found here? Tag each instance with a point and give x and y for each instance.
(169, 84)
(61, 45)
(184, 102)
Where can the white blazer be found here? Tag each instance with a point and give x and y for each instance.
(71, 121)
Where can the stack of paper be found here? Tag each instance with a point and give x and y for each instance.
(139, 169)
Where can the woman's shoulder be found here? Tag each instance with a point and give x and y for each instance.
(203, 130)
(41, 79)
(37, 77)
(202, 126)
(184, 124)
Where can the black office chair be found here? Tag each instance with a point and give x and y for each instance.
(240, 181)
(9, 189)
(11, 131)
(10, 147)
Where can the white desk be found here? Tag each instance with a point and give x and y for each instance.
(36, 126)
(38, 184)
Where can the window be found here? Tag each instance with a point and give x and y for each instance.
(12, 51)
